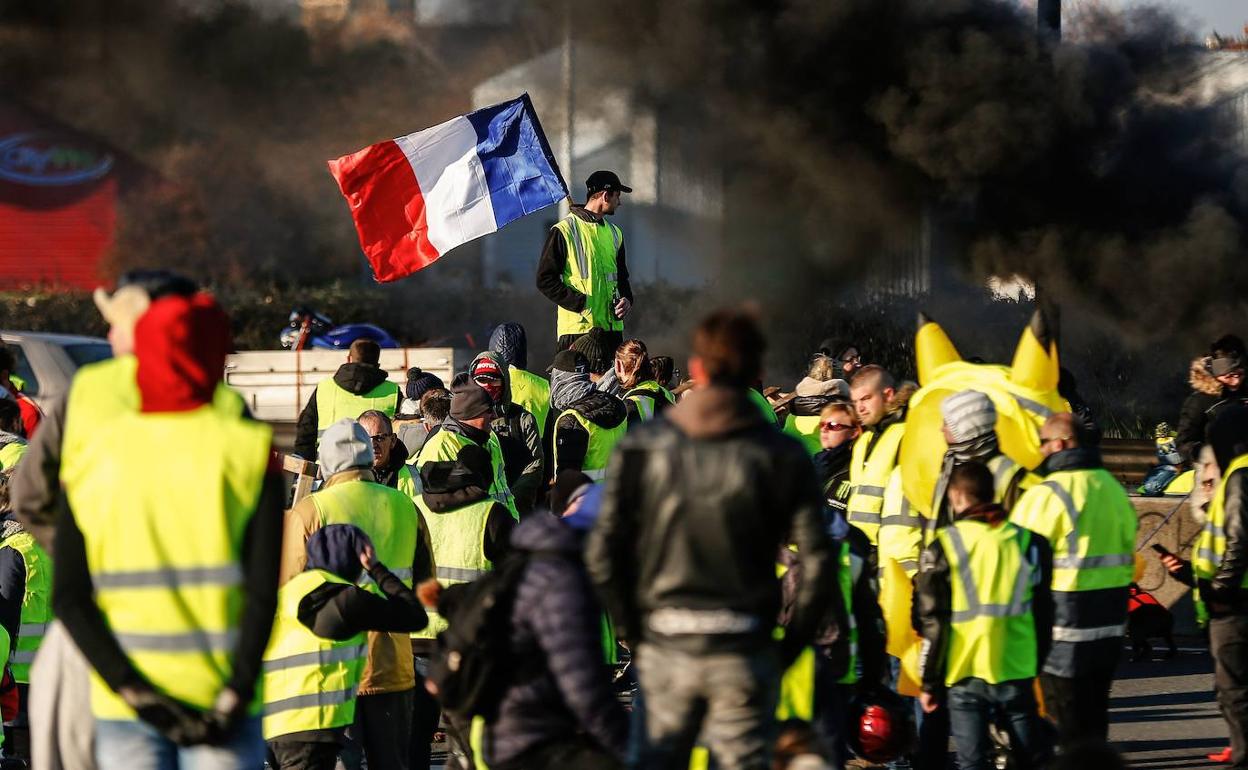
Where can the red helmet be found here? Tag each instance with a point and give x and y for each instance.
(881, 727)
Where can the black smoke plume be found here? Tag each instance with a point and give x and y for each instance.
(840, 128)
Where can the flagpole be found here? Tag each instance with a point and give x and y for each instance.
(565, 162)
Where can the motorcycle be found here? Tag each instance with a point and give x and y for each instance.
(307, 328)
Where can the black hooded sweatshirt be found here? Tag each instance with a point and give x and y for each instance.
(352, 377)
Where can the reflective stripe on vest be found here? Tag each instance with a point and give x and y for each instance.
(590, 269)
(170, 589)
(601, 442)
(334, 402)
(869, 476)
(1210, 546)
(309, 682)
(1071, 558)
(458, 541)
(36, 602)
(992, 577)
(901, 529)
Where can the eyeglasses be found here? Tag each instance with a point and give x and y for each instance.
(835, 427)
(851, 360)
(1044, 440)
(382, 438)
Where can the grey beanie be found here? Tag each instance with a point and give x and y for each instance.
(345, 445)
(969, 415)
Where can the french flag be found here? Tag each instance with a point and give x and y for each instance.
(416, 197)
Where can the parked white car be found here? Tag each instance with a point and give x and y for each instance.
(46, 362)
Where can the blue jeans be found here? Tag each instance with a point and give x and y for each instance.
(974, 704)
(136, 745)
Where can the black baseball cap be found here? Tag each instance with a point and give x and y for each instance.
(605, 180)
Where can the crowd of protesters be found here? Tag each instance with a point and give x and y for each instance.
(594, 566)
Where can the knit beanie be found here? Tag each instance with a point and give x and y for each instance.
(469, 400)
(571, 360)
(345, 445)
(336, 548)
(594, 348)
(419, 382)
(969, 414)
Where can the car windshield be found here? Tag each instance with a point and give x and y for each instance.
(88, 352)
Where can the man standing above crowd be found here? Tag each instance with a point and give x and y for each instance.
(1090, 524)
(582, 269)
(359, 385)
(695, 508)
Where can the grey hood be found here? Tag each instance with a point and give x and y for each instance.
(566, 388)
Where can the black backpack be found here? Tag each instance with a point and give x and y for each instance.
(474, 663)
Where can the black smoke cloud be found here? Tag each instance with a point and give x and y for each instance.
(837, 126)
(1082, 165)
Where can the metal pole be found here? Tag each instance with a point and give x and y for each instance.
(1049, 18)
(565, 161)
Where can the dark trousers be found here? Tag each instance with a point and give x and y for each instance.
(425, 715)
(975, 704)
(610, 340)
(382, 732)
(1228, 643)
(831, 710)
(298, 755)
(17, 732)
(575, 753)
(1079, 705)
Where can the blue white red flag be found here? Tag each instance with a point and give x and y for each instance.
(416, 197)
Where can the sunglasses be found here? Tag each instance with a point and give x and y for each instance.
(835, 427)
(382, 438)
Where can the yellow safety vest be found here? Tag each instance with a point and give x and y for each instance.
(334, 402)
(1211, 545)
(869, 477)
(36, 602)
(764, 406)
(409, 483)
(646, 395)
(386, 515)
(902, 527)
(11, 454)
(1090, 523)
(592, 248)
(601, 442)
(309, 682)
(992, 576)
(445, 446)
(108, 389)
(531, 392)
(805, 429)
(170, 588)
(458, 541)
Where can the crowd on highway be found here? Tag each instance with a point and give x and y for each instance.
(594, 566)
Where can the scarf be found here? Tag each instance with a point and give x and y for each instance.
(566, 388)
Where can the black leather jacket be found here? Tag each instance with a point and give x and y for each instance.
(695, 507)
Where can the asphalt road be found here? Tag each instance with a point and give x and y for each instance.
(1164, 714)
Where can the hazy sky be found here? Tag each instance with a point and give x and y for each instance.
(1227, 17)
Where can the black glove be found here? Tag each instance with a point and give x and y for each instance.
(219, 723)
(176, 721)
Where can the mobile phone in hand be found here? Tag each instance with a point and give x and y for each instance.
(1160, 549)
